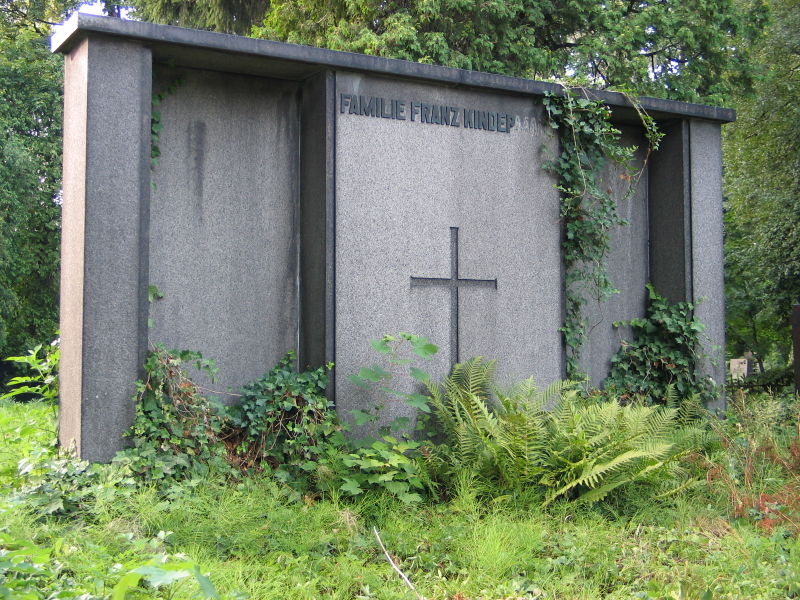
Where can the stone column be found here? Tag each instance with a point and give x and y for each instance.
(685, 205)
(708, 287)
(107, 103)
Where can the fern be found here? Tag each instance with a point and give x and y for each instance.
(553, 438)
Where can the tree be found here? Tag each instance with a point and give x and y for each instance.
(682, 49)
(762, 186)
(225, 16)
(30, 177)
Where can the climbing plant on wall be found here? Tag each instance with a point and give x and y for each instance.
(589, 143)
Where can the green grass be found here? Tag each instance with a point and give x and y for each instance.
(252, 538)
(24, 429)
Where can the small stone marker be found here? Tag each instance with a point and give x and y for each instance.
(741, 367)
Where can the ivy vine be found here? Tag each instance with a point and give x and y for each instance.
(156, 125)
(589, 143)
(665, 353)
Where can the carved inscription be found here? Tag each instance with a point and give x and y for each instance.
(433, 114)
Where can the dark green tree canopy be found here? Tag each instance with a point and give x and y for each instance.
(681, 49)
(226, 16)
(30, 176)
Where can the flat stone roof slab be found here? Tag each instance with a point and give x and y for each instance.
(195, 48)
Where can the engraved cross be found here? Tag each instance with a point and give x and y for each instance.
(454, 282)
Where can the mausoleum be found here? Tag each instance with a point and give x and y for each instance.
(283, 197)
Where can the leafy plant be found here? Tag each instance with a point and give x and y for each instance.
(155, 122)
(61, 485)
(592, 449)
(177, 431)
(165, 571)
(393, 347)
(758, 466)
(43, 384)
(665, 352)
(589, 142)
(387, 464)
(575, 449)
(283, 421)
(25, 569)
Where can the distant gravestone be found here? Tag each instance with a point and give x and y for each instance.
(741, 368)
(313, 200)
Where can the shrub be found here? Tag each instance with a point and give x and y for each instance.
(177, 431)
(758, 464)
(283, 422)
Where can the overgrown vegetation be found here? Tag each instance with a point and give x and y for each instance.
(762, 193)
(253, 538)
(42, 383)
(589, 142)
(665, 353)
(555, 441)
(523, 493)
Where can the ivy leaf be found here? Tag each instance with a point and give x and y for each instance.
(426, 350)
(418, 401)
(376, 373)
(382, 345)
(361, 417)
(153, 293)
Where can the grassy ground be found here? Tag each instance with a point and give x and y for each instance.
(253, 540)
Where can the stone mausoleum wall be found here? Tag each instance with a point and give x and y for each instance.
(313, 200)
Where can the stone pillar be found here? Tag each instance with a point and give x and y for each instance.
(107, 100)
(708, 286)
(686, 254)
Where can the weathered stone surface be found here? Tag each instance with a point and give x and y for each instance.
(223, 233)
(280, 222)
(670, 221)
(400, 186)
(706, 245)
(627, 265)
(106, 195)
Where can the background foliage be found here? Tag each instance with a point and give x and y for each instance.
(762, 187)
(700, 50)
(686, 50)
(30, 181)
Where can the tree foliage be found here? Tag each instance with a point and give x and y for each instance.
(681, 49)
(225, 16)
(30, 177)
(33, 16)
(762, 162)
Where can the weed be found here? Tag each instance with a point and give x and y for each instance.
(759, 462)
(43, 383)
